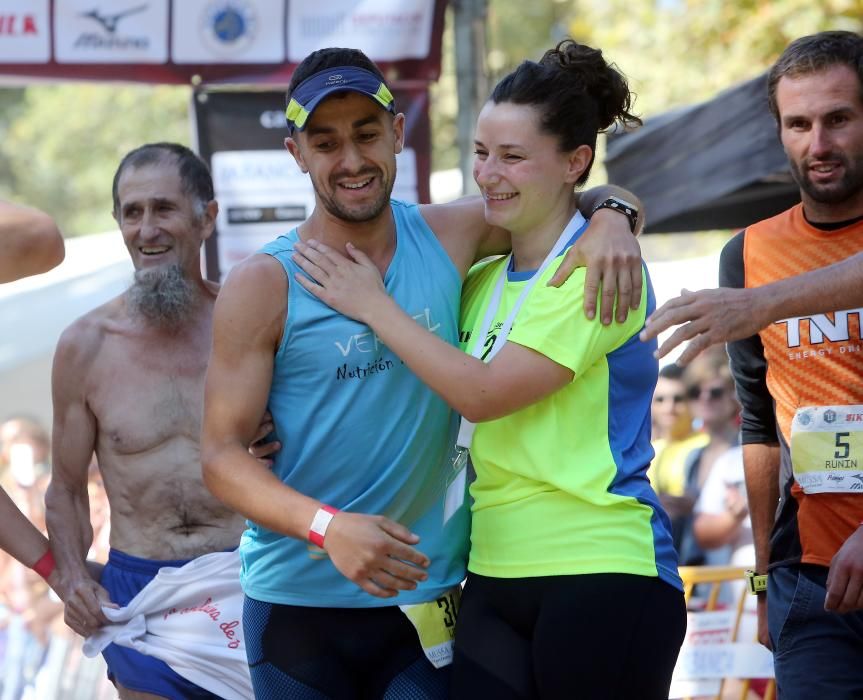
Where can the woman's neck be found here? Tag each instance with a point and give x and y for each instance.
(530, 248)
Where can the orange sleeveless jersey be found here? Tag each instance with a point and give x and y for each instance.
(811, 361)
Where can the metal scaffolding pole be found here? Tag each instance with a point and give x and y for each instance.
(470, 48)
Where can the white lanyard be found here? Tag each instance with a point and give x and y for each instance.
(576, 223)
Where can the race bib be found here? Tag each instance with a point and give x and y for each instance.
(827, 448)
(435, 625)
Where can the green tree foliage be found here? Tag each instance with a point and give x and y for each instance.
(674, 52)
(61, 144)
(679, 52)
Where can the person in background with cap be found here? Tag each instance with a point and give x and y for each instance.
(358, 537)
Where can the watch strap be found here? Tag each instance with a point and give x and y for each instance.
(630, 211)
(756, 583)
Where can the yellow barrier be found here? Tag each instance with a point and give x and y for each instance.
(712, 577)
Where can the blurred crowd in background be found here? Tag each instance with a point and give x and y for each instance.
(698, 467)
(40, 657)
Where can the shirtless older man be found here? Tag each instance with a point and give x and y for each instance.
(128, 385)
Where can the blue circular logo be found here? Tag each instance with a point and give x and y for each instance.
(229, 24)
(229, 27)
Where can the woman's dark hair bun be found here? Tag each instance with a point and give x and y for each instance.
(576, 94)
(602, 81)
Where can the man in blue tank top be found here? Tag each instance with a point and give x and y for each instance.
(357, 538)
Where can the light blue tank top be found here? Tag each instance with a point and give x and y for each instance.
(360, 431)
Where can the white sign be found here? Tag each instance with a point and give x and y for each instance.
(25, 31)
(263, 194)
(228, 31)
(386, 30)
(111, 31)
(710, 653)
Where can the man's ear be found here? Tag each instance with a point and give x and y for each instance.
(399, 129)
(208, 220)
(579, 160)
(294, 149)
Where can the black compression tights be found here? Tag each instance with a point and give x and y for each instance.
(596, 636)
(298, 653)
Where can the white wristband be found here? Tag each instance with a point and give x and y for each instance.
(320, 523)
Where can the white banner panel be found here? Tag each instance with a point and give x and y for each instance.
(386, 30)
(111, 31)
(25, 31)
(263, 194)
(228, 31)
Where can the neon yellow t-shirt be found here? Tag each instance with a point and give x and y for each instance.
(667, 472)
(561, 485)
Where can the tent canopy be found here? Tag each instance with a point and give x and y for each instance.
(717, 164)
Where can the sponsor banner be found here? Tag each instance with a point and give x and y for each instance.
(111, 31)
(213, 41)
(386, 30)
(25, 32)
(228, 31)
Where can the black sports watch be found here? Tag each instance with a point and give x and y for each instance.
(629, 210)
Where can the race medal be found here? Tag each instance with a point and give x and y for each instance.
(827, 448)
(435, 625)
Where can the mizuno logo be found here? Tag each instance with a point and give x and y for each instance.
(109, 22)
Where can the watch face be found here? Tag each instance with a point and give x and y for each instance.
(624, 203)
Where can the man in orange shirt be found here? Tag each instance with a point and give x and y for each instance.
(799, 382)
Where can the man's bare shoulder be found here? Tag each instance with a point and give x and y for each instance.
(460, 227)
(255, 294)
(257, 274)
(83, 338)
(462, 217)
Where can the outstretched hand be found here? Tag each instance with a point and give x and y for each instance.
(612, 257)
(350, 285)
(708, 316)
(375, 553)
